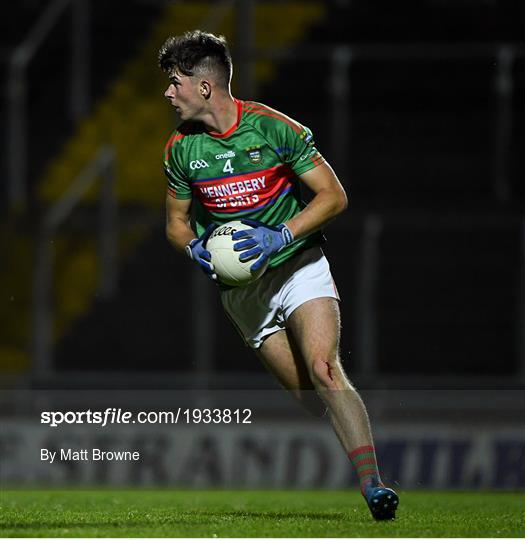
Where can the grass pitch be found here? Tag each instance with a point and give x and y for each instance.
(163, 513)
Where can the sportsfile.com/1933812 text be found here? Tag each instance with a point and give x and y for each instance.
(181, 415)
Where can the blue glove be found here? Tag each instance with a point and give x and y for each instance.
(263, 240)
(197, 252)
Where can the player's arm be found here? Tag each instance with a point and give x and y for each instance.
(178, 229)
(329, 200)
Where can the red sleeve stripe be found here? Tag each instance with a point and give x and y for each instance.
(175, 137)
(263, 111)
(172, 192)
(317, 160)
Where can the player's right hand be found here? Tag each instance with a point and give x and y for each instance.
(197, 252)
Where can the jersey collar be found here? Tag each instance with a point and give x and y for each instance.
(231, 129)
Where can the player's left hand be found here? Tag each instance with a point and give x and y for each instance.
(262, 240)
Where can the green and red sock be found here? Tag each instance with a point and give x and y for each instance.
(365, 463)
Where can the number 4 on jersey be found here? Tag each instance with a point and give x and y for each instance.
(228, 166)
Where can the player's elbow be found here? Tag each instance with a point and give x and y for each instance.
(340, 201)
(343, 201)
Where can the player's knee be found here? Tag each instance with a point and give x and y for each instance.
(324, 374)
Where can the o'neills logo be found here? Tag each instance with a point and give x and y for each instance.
(254, 154)
(228, 155)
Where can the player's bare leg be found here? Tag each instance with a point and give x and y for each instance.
(315, 327)
(285, 361)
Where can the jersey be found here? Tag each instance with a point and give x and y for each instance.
(250, 171)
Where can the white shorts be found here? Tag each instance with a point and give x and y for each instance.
(263, 307)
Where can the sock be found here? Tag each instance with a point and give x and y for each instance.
(364, 461)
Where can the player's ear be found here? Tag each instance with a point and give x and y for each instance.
(205, 89)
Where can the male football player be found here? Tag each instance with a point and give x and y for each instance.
(234, 159)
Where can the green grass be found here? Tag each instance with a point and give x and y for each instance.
(161, 513)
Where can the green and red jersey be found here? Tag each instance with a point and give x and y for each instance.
(251, 171)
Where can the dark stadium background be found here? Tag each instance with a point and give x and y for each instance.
(419, 106)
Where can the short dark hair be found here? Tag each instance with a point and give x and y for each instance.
(197, 51)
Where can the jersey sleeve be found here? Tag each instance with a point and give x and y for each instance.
(178, 183)
(297, 148)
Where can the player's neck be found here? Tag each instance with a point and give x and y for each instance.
(222, 115)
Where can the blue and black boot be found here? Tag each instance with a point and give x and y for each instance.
(382, 501)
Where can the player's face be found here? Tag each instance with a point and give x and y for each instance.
(183, 93)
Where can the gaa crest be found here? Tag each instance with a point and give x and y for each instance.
(254, 154)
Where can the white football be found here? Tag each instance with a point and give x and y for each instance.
(229, 269)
